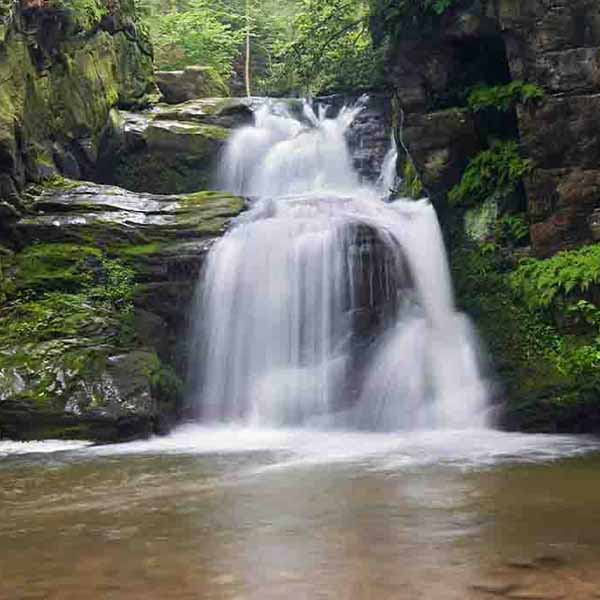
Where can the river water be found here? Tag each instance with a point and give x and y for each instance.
(269, 514)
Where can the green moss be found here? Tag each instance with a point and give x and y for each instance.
(214, 202)
(70, 306)
(55, 267)
(411, 186)
(70, 100)
(545, 387)
(129, 251)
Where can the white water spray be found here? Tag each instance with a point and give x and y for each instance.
(325, 305)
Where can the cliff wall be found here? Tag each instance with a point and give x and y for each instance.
(64, 64)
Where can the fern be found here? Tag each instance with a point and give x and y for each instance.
(543, 283)
(504, 97)
(494, 173)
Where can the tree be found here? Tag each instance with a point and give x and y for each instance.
(331, 50)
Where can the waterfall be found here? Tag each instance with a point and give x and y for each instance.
(325, 305)
(389, 177)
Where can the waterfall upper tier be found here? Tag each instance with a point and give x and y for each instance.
(325, 304)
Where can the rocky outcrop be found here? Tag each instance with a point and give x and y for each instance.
(190, 84)
(544, 365)
(170, 149)
(554, 46)
(63, 66)
(95, 306)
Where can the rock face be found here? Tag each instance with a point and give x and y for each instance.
(434, 61)
(63, 66)
(169, 149)
(190, 84)
(369, 136)
(554, 46)
(95, 307)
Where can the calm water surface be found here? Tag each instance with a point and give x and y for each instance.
(239, 514)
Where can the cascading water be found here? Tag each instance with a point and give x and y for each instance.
(325, 305)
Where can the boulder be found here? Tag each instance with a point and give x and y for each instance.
(169, 149)
(190, 83)
(95, 309)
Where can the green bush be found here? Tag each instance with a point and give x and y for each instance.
(198, 35)
(511, 230)
(541, 283)
(494, 173)
(543, 366)
(504, 97)
(560, 284)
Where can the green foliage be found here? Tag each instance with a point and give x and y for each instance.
(494, 173)
(198, 34)
(213, 33)
(558, 286)
(166, 384)
(541, 283)
(396, 16)
(297, 46)
(504, 97)
(331, 49)
(117, 284)
(437, 7)
(511, 230)
(551, 376)
(411, 186)
(84, 14)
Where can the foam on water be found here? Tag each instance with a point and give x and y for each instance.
(293, 448)
(11, 448)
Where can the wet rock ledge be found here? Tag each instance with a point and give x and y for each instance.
(94, 299)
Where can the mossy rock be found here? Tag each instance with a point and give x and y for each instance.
(532, 393)
(104, 216)
(59, 83)
(190, 83)
(93, 304)
(73, 363)
(64, 391)
(162, 156)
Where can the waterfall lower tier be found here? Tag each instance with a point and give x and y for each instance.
(325, 305)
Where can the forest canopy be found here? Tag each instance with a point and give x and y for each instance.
(294, 47)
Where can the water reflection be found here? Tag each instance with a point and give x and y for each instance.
(280, 520)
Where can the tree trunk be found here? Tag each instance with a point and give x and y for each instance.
(248, 32)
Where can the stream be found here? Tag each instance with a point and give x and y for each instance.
(267, 514)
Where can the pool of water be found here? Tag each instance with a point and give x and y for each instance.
(243, 514)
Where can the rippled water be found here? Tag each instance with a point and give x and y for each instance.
(245, 514)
